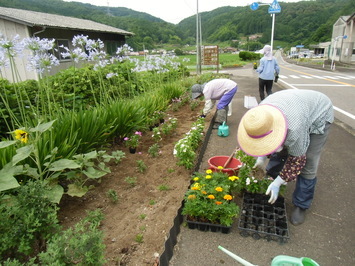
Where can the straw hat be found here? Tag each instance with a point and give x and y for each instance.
(197, 90)
(262, 130)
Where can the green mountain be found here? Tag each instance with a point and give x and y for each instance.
(303, 22)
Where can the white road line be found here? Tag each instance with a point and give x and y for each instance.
(330, 77)
(342, 77)
(321, 85)
(294, 76)
(335, 108)
(305, 76)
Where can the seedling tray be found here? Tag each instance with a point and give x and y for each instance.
(260, 219)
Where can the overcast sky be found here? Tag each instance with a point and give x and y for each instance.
(175, 10)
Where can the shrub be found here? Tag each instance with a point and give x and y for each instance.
(27, 218)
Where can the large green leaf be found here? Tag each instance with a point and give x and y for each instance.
(63, 164)
(43, 127)
(91, 172)
(4, 144)
(22, 153)
(77, 191)
(7, 177)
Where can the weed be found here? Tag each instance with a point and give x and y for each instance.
(142, 216)
(152, 202)
(112, 195)
(139, 238)
(154, 150)
(132, 181)
(141, 166)
(163, 187)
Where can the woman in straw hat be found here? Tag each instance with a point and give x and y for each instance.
(268, 69)
(221, 90)
(296, 122)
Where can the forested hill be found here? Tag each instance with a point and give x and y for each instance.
(303, 22)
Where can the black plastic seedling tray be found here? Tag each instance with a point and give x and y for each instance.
(260, 219)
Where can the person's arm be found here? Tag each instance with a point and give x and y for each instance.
(208, 106)
(261, 67)
(292, 167)
(277, 68)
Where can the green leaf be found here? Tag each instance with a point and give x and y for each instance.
(91, 172)
(22, 153)
(7, 177)
(43, 127)
(55, 193)
(4, 144)
(63, 164)
(77, 191)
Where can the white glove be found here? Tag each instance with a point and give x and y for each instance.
(260, 163)
(274, 188)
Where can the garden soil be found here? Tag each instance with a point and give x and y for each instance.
(327, 236)
(137, 225)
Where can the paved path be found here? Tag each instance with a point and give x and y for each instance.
(327, 236)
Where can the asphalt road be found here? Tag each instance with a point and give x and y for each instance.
(328, 234)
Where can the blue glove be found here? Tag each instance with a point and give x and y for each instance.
(274, 189)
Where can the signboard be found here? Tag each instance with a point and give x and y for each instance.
(210, 55)
(274, 7)
(254, 6)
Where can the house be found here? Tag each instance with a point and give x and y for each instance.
(25, 23)
(343, 38)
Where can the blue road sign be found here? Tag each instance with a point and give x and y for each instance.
(254, 6)
(274, 7)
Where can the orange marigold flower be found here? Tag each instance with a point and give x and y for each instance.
(219, 189)
(195, 188)
(204, 192)
(191, 197)
(228, 197)
(211, 197)
(219, 202)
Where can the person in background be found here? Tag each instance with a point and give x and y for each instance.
(221, 90)
(267, 70)
(292, 127)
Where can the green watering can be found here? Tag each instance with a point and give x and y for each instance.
(223, 130)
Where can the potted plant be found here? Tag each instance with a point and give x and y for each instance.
(209, 201)
(133, 142)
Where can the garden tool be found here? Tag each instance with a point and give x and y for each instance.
(282, 260)
(230, 158)
(223, 130)
(237, 258)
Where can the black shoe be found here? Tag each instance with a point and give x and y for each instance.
(298, 216)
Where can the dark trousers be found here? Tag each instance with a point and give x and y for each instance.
(265, 85)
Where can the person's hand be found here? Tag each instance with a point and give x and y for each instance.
(260, 163)
(274, 189)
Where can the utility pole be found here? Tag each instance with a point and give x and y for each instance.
(198, 41)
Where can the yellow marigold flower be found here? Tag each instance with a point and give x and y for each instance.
(191, 197)
(21, 135)
(219, 202)
(195, 188)
(219, 189)
(220, 167)
(211, 197)
(208, 171)
(208, 176)
(233, 178)
(204, 192)
(196, 179)
(228, 197)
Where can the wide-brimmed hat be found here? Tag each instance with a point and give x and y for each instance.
(197, 90)
(262, 130)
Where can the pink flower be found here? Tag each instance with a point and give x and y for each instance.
(138, 133)
(126, 138)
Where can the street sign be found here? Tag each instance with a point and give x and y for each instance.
(254, 6)
(274, 7)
